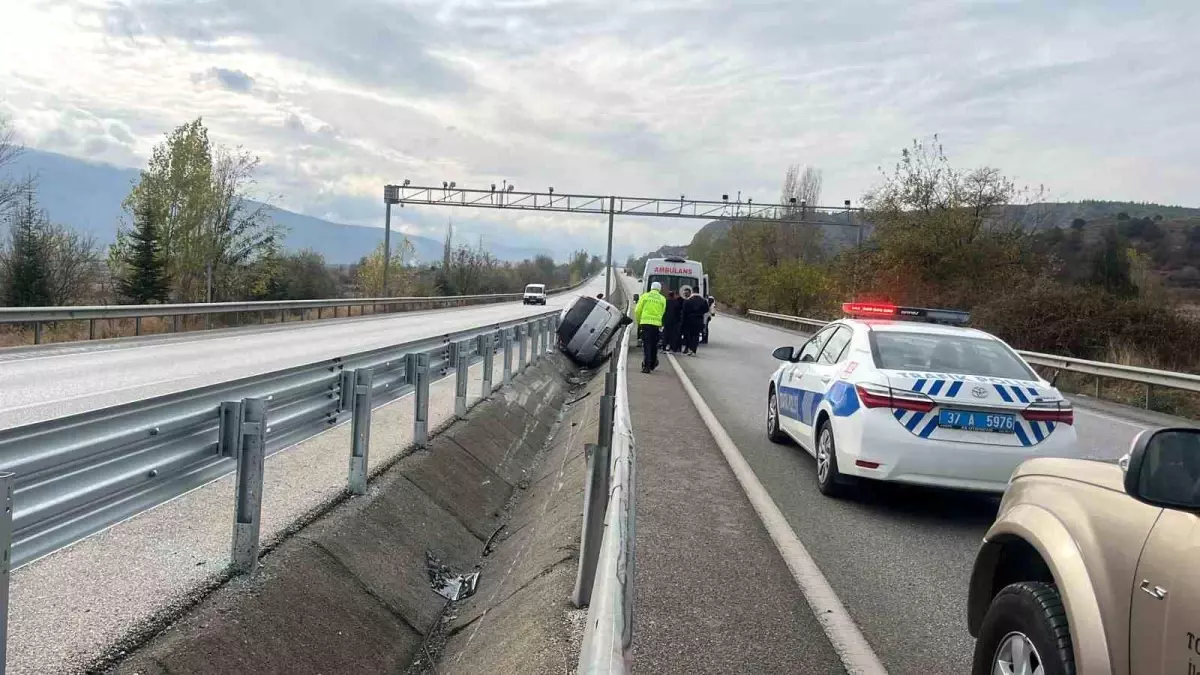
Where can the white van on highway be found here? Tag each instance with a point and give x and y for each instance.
(674, 273)
(535, 294)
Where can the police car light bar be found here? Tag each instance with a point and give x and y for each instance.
(886, 311)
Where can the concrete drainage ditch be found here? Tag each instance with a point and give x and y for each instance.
(499, 493)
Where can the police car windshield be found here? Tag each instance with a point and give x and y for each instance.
(671, 282)
(955, 354)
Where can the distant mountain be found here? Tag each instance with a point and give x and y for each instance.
(836, 235)
(87, 196)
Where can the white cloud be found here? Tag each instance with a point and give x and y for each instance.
(697, 97)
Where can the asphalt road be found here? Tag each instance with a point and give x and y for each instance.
(76, 377)
(899, 558)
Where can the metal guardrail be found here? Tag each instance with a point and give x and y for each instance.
(604, 581)
(75, 476)
(40, 315)
(1147, 377)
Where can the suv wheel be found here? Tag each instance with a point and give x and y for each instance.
(774, 433)
(1025, 631)
(830, 481)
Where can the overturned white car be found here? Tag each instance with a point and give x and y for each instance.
(588, 328)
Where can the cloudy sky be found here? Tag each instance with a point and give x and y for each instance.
(1092, 98)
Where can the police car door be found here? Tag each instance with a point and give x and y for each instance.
(817, 379)
(793, 398)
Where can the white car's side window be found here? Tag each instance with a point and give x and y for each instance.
(812, 348)
(835, 347)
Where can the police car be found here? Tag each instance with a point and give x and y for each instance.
(912, 395)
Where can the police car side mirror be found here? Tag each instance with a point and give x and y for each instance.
(1162, 466)
(785, 353)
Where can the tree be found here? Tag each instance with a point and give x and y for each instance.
(370, 270)
(810, 186)
(212, 235)
(145, 269)
(239, 232)
(11, 190)
(73, 264)
(1110, 265)
(941, 235)
(27, 256)
(1078, 224)
(300, 276)
(804, 187)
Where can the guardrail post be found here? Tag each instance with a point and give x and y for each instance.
(229, 443)
(1147, 396)
(507, 337)
(174, 323)
(1097, 386)
(607, 408)
(248, 509)
(489, 363)
(522, 330)
(6, 494)
(37, 332)
(421, 402)
(137, 325)
(91, 329)
(346, 390)
(462, 369)
(535, 342)
(360, 431)
(595, 501)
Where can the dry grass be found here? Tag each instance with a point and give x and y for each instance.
(1176, 402)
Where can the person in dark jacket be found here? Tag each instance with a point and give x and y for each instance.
(695, 308)
(673, 322)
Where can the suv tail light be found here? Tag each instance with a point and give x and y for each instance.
(879, 396)
(1050, 411)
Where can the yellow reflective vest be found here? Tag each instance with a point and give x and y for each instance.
(650, 309)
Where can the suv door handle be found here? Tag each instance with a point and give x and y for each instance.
(1158, 592)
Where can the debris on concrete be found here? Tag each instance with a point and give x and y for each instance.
(446, 583)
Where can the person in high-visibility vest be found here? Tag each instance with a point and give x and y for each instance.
(648, 316)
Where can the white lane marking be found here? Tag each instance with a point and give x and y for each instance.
(852, 648)
(1110, 418)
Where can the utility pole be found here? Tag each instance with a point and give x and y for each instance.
(612, 202)
(391, 195)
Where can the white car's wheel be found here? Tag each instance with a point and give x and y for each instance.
(830, 481)
(774, 433)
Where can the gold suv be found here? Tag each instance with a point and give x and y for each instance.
(1094, 568)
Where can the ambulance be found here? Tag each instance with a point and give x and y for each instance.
(674, 272)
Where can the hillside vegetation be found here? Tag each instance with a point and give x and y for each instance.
(1093, 279)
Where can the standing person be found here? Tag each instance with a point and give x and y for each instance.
(672, 322)
(639, 328)
(648, 315)
(695, 309)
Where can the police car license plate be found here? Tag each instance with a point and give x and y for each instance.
(974, 420)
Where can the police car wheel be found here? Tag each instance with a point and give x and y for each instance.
(829, 479)
(774, 434)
